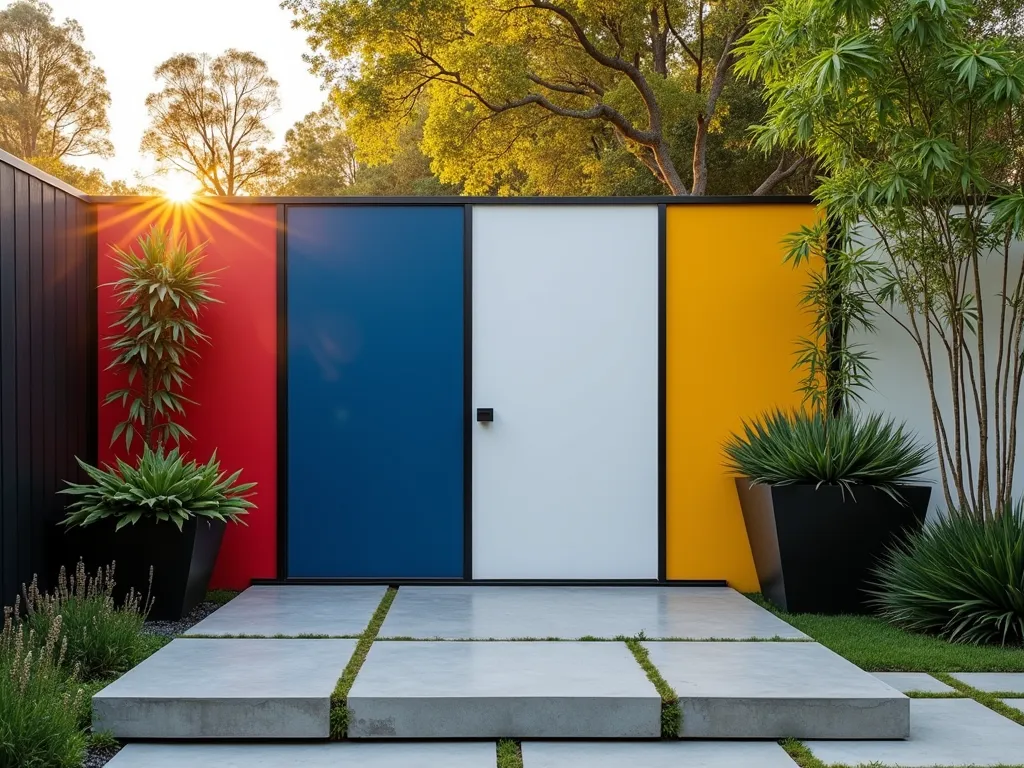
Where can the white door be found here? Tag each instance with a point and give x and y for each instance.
(565, 350)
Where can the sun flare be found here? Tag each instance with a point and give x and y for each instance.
(179, 189)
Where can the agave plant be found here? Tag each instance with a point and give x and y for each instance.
(961, 578)
(163, 486)
(783, 448)
(160, 295)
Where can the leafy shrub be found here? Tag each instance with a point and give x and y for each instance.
(39, 703)
(783, 448)
(961, 578)
(102, 638)
(163, 486)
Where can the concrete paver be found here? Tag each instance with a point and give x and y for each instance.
(329, 755)
(946, 732)
(777, 690)
(226, 689)
(447, 690)
(294, 610)
(570, 613)
(919, 682)
(661, 754)
(993, 682)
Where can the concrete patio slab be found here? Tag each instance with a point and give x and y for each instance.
(331, 755)
(446, 690)
(918, 682)
(661, 754)
(777, 690)
(571, 613)
(294, 610)
(993, 682)
(226, 689)
(946, 732)
(1015, 703)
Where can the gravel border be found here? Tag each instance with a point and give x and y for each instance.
(175, 628)
(96, 757)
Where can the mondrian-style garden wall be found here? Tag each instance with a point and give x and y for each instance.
(444, 389)
(360, 345)
(48, 343)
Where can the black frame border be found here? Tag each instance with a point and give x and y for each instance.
(468, 203)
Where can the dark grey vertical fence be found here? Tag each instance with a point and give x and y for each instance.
(47, 360)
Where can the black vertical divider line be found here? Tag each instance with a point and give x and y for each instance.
(662, 392)
(22, 375)
(467, 392)
(282, 391)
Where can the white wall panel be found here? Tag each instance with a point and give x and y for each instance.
(899, 387)
(565, 349)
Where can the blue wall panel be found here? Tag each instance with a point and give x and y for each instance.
(375, 391)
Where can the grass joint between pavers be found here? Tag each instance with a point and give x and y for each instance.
(671, 712)
(339, 698)
(990, 700)
(509, 753)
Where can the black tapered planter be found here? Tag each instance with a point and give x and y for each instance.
(815, 548)
(182, 562)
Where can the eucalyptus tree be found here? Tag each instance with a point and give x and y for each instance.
(912, 111)
(546, 88)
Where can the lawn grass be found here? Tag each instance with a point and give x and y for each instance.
(510, 754)
(221, 596)
(339, 699)
(876, 646)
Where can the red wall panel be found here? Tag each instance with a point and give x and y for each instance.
(235, 381)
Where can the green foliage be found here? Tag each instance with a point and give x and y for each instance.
(160, 297)
(835, 369)
(54, 98)
(164, 486)
(509, 754)
(543, 97)
(878, 646)
(913, 113)
(961, 578)
(39, 705)
(103, 638)
(849, 450)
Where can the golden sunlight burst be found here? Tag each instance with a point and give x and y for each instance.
(179, 189)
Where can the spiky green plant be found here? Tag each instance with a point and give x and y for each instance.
(961, 578)
(163, 486)
(849, 450)
(160, 296)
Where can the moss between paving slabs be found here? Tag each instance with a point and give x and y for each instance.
(510, 753)
(339, 703)
(671, 714)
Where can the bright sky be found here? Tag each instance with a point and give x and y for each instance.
(129, 38)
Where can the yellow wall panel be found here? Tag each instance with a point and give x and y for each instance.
(732, 322)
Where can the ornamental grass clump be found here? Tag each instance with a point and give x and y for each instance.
(39, 699)
(103, 638)
(961, 578)
(848, 450)
(163, 487)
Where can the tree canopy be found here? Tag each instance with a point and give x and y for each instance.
(209, 120)
(545, 96)
(53, 99)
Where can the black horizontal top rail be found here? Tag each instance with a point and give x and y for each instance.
(416, 582)
(456, 200)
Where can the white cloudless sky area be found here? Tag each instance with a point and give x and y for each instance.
(130, 38)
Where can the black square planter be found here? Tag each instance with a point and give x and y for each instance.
(182, 562)
(815, 548)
